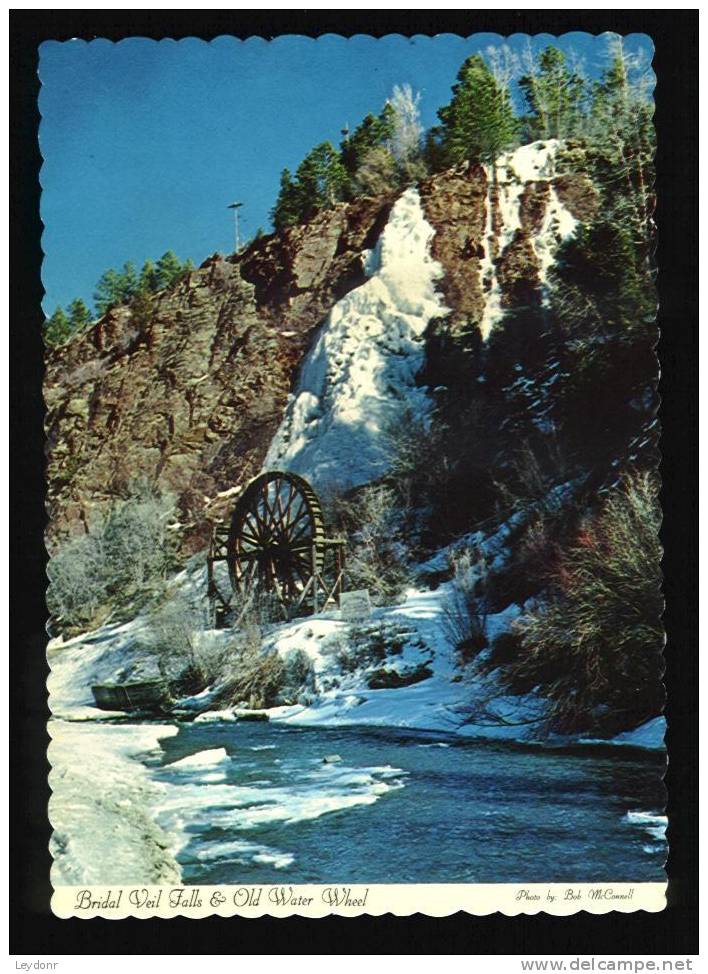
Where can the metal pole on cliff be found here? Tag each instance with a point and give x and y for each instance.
(237, 236)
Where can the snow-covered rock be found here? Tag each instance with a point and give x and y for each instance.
(511, 175)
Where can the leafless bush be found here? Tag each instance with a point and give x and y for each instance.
(257, 679)
(122, 562)
(465, 611)
(377, 555)
(235, 663)
(172, 639)
(534, 470)
(420, 466)
(362, 647)
(78, 586)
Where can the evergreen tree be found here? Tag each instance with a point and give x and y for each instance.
(57, 329)
(479, 122)
(109, 291)
(128, 282)
(149, 278)
(169, 268)
(321, 177)
(286, 211)
(554, 94)
(79, 316)
(141, 307)
(319, 182)
(623, 140)
(372, 132)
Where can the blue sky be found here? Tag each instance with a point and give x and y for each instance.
(146, 142)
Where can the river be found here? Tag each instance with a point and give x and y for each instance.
(258, 803)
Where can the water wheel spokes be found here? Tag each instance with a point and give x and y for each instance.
(276, 535)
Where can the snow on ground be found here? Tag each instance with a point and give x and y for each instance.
(649, 735)
(102, 807)
(449, 699)
(512, 171)
(108, 655)
(359, 376)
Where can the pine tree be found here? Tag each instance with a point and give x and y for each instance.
(320, 181)
(57, 329)
(128, 282)
(109, 291)
(149, 280)
(169, 268)
(79, 316)
(621, 130)
(286, 211)
(479, 122)
(321, 177)
(141, 307)
(554, 94)
(372, 132)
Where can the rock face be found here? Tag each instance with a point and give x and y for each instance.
(190, 393)
(191, 396)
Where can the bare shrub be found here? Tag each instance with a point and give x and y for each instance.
(362, 647)
(535, 468)
(78, 586)
(377, 556)
(420, 466)
(172, 639)
(593, 646)
(140, 540)
(123, 561)
(299, 681)
(465, 611)
(257, 679)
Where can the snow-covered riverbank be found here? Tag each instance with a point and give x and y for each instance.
(103, 805)
(413, 643)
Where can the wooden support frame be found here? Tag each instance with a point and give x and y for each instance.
(326, 558)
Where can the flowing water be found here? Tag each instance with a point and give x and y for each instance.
(258, 803)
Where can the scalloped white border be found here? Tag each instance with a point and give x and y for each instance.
(438, 900)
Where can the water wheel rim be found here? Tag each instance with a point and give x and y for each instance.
(276, 528)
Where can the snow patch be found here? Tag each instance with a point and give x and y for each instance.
(203, 759)
(511, 173)
(360, 375)
(102, 807)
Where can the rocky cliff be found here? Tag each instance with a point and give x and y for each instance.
(192, 392)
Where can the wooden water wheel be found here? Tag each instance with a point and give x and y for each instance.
(276, 543)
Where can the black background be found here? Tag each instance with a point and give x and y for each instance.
(34, 930)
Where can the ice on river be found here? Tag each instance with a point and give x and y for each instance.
(202, 816)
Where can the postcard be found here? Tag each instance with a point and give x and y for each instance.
(352, 476)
